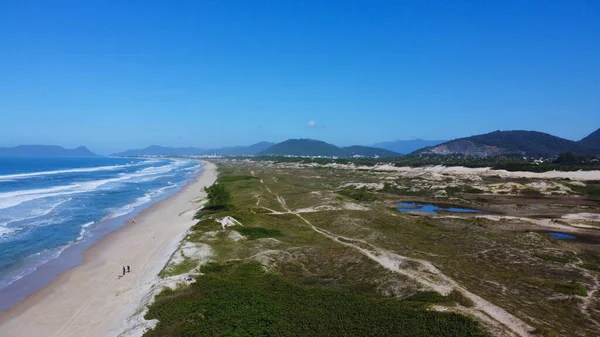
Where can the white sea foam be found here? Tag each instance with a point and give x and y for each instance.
(5, 231)
(139, 202)
(83, 228)
(33, 262)
(11, 199)
(75, 170)
(36, 213)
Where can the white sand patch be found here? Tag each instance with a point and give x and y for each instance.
(354, 207)
(369, 186)
(235, 236)
(345, 206)
(195, 251)
(318, 209)
(472, 173)
(582, 216)
(228, 222)
(231, 235)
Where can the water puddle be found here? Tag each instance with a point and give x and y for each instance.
(573, 237)
(432, 208)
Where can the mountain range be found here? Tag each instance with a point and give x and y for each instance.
(517, 142)
(311, 147)
(155, 150)
(44, 151)
(526, 143)
(298, 147)
(407, 146)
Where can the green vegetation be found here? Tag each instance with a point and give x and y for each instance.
(218, 197)
(591, 260)
(461, 298)
(530, 143)
(241, 299)
(554, 258)
(568, 288)
(505, 162)
(230, 179)
(530, 192)
(430, 297)
(253, 233)
(591, 188)
(311, 147)
(360, 194)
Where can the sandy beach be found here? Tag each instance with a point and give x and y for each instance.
(90, 299)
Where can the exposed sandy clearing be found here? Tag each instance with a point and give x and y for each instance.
(228, 222)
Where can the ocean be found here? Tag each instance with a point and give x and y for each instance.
(50, 204)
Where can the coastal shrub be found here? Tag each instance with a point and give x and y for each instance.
(568, 288)
(231, 179)
(591, 260)
(461, 299)
(472, 190)
(530, 192)
(218, 197)
(430, 297)
(554, 258)
(253, 233)
(591, 188)
(241, 299)
(360, 194)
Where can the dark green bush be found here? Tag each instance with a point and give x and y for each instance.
(258, 233)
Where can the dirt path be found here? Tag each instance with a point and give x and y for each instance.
(427, 275)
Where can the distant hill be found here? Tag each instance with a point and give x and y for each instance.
(311, 147)
(592, 141)
(156, 150)
(45, 151)
(241, 150)
(407, 146)
(366, 151)
(527, 143)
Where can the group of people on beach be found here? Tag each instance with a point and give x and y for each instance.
(125, 270)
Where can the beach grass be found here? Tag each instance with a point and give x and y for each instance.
(241, 299)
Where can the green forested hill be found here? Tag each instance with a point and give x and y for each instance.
(311, 147)
(527, 143)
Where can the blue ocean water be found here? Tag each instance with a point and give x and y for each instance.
(48, 204)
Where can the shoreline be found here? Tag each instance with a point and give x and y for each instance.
(89, 299)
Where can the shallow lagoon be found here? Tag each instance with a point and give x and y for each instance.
(561, 236)
(431, 208)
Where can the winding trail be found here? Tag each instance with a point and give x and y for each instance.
(427, 275)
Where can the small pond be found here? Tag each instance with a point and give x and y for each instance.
(432, 208)
(574, 237)
(561, 236)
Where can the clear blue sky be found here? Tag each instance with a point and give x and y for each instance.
(111, 75)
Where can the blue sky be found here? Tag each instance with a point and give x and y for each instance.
(112, 76)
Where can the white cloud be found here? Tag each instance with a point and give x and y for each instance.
(312, 124)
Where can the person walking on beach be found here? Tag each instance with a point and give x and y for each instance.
(128, 270)
(123, 270)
